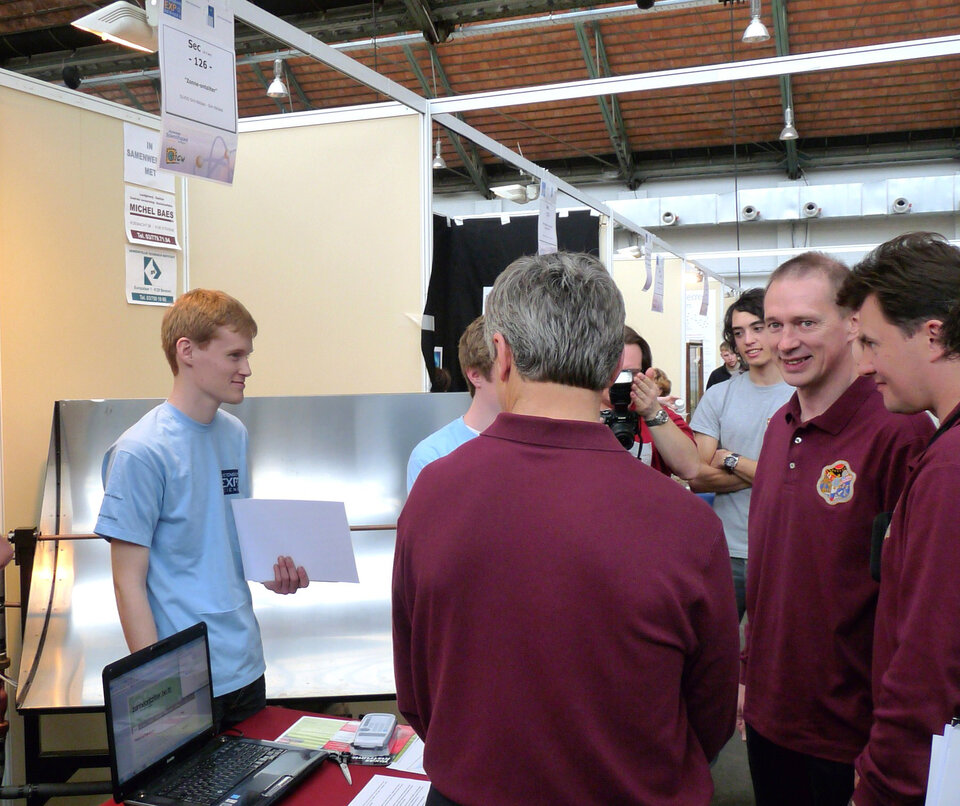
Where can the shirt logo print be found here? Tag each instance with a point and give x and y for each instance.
(231, 481)
(836, 483)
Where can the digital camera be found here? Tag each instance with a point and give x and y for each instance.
(621, 420)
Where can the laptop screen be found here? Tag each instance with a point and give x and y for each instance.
(159, 705)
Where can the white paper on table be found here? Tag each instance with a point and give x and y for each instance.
(411, 758)
(314, 533)
(383, 790)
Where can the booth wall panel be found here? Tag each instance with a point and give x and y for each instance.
(320, 238)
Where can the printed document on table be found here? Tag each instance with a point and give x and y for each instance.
(410, 758)
(314, 533)
(382, 790)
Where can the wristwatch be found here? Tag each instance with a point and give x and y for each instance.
(659, 418)
(730, 462)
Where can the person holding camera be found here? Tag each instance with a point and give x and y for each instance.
(655, 433)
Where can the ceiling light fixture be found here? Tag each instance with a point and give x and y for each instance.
(789, 131)
(439, 163)
(756, 30)
(518, 193)
(277, 88)
(124, 23)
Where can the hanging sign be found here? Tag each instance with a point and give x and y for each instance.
(547, 224)
(198, 118)
(648, 260)
(657, 304)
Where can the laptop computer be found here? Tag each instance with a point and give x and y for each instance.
(163, 745)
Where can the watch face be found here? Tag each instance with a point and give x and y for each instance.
(730, 462)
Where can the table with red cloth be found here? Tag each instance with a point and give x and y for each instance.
(325, 784)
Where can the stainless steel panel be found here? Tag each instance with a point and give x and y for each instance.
(330, 640)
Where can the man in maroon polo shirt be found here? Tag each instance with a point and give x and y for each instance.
(563, 616)
(908, 293)
(833, 458)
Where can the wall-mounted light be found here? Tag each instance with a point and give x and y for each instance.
(277, 88)
(900, 206)
(123, 23)
(517, 193)
(749, 213)
(789, 131)
(756, 30)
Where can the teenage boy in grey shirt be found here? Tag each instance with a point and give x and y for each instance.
(729, 424)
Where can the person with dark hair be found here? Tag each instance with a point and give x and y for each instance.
(730, 367)
(907, 292)
(663, 439)
(519, 588)
(168, 481)
(476, 365)
(832, 459)
(729, 425)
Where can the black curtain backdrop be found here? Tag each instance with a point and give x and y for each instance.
(469, 257)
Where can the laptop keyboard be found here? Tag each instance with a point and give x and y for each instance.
(210, 779)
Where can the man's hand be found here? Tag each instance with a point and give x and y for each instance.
(741, 725)
(287, 577)
(644, 394)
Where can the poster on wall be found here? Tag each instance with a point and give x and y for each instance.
(150, 217)
(151, 276)
(141, 158)
(198, 118)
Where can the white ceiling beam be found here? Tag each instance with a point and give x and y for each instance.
(310, 46)
(818, 61)
(531, 168)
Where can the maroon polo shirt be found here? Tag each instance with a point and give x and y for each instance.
(564, 623)
(916, 651)
(810, 596)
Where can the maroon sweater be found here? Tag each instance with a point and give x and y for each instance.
(810, 597)
(916, 651)
(564, 623)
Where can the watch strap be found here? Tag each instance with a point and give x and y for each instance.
(659, 418)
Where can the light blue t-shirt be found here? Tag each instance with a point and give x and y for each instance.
(438, 444)
(736, 413)
(168, 482)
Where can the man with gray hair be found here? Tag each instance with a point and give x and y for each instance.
(550, 646)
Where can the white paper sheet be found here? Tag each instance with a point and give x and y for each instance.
(382, 790)
(314, 533)
(411, 759)
(943, 782)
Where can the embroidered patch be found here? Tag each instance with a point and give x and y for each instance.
(231, 481)
(836, 483)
